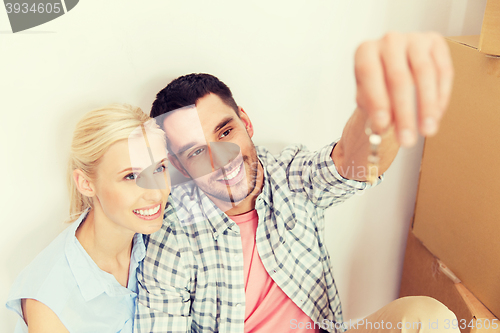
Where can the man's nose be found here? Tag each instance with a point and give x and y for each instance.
(223, 153)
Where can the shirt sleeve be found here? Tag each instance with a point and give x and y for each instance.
(164, 300)
(15, 305)
(315, 175)
(38, 281)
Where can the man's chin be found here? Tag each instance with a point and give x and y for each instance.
(236, 193)
(234, 199)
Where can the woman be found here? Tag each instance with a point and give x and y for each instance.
(85, 281)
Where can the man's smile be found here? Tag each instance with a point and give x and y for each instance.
(232, 176)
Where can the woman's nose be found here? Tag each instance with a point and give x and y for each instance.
(150, 179)
(154, 195)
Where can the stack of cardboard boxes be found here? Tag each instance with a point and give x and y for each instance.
(453, 248)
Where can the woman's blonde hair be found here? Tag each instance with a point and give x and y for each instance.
(93, 135)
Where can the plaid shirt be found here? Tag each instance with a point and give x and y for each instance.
(192, 277)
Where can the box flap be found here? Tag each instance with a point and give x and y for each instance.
(421, 276)
(489, 42)
(471, 41)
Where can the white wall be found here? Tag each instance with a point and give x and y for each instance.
(289, 64)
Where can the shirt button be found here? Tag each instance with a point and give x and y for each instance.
(238, 305)
(236, 257)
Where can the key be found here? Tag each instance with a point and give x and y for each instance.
(373, 157)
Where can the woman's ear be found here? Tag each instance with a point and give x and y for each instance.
(83, 183)
(246, 120)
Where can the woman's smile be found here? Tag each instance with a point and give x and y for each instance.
(148, 213)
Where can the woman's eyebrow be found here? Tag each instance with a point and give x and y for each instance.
(130, 169)
(140, 169)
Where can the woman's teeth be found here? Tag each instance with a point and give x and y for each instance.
(147, 212)
(233, 174)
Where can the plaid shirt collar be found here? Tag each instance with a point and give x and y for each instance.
(194, 199)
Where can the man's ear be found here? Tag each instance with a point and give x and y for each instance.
(83, 183)
(246, 120)
(177, 164)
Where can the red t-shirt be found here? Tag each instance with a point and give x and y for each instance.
(268, 308)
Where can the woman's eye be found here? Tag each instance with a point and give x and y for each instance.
(225, 133)
(131, 176)
(161, 168)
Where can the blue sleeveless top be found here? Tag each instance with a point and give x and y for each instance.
(69, 282)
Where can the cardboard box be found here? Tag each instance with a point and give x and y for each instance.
(457, 214)
(424, 276)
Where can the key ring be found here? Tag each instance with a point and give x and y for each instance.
(373, 159)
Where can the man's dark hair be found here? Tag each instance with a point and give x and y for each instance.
(187, 89)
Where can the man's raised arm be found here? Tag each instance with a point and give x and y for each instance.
(399, 78)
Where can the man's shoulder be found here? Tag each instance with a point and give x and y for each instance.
(182, 218)
(281, 156)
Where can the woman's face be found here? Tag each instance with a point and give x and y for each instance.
(130, 190)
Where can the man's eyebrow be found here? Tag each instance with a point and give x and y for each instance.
(220, 125)
(223, 123)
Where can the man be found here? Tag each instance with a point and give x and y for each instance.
(242, 247)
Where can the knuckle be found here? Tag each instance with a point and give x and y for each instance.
(360, 101)
(435, 36)
(370, 102)
(398, 76)
(415, 36)
(364, 48)
(427, 106)
(422, 66)
(363, 68)
(362, 64)
(447, 71)
(392, 36)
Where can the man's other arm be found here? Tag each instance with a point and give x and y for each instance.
(163, 302)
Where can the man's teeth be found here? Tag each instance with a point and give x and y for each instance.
(233, 174)
(147, 212)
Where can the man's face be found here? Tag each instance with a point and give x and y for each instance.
(213, 146)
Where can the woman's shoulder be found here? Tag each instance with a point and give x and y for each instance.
(48, 278)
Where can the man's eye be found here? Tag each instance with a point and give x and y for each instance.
(225, 133)
(161, 168)
(197, 152)
(131, 176)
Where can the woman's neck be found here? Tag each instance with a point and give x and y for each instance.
(109, 245)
